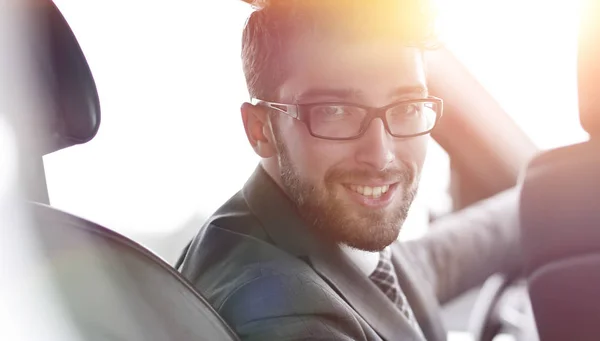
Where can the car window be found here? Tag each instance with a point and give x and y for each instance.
(171, 143)
(529, 68)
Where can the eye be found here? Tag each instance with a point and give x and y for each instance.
(336, 113)
(406, 111)
(413, 109)
(329, 111)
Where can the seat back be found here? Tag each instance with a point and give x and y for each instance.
(111, 287)
(560, 219)
(560, 214)
(114, 289)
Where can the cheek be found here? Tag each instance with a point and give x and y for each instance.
(312, 157)
(413, 150)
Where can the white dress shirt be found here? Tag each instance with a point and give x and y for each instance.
(364, 260)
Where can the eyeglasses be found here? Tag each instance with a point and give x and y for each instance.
(345, 121)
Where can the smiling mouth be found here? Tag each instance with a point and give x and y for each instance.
(370, 191)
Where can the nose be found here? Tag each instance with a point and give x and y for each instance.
(376, 146)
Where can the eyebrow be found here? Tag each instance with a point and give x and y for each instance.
(342, 94)
(346, 94)
(418, 91)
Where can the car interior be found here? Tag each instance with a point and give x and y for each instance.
(148, 298)
(559, 212)
(113, 287)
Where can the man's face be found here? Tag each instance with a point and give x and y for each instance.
(356, 192)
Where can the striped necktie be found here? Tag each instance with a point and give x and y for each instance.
(386, 279)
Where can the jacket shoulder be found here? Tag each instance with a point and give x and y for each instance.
(289, 304)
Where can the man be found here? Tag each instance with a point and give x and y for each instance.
(340, 115)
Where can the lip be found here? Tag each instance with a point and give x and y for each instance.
(380, 202)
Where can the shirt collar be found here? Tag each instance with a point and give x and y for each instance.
(366, 261)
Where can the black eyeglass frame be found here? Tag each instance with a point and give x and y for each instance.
(301, 113)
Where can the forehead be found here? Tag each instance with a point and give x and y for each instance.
(366, 71)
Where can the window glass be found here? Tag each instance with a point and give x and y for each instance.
(524, 53)
(171, 144)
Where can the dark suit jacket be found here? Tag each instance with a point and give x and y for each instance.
(270, 278)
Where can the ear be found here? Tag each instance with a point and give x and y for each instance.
(258, 130)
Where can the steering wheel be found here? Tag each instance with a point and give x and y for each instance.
(495, 310)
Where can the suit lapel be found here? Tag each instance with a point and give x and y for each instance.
(360, 293)
(283, 225)
(421, 300)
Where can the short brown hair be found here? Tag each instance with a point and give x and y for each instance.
(271, 27)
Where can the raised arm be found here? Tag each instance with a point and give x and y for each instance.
(465, 248)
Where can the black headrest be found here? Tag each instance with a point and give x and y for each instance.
(72, 107)
(589, 67)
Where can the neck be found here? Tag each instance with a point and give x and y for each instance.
(271, 167)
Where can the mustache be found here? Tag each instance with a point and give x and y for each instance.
(356, 176)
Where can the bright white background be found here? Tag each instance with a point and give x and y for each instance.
(171, 145)
(171, 141)
(524, 53)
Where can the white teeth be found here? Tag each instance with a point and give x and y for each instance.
(368, 191)
(377, 191)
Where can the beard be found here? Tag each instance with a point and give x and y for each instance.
(337, 221)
